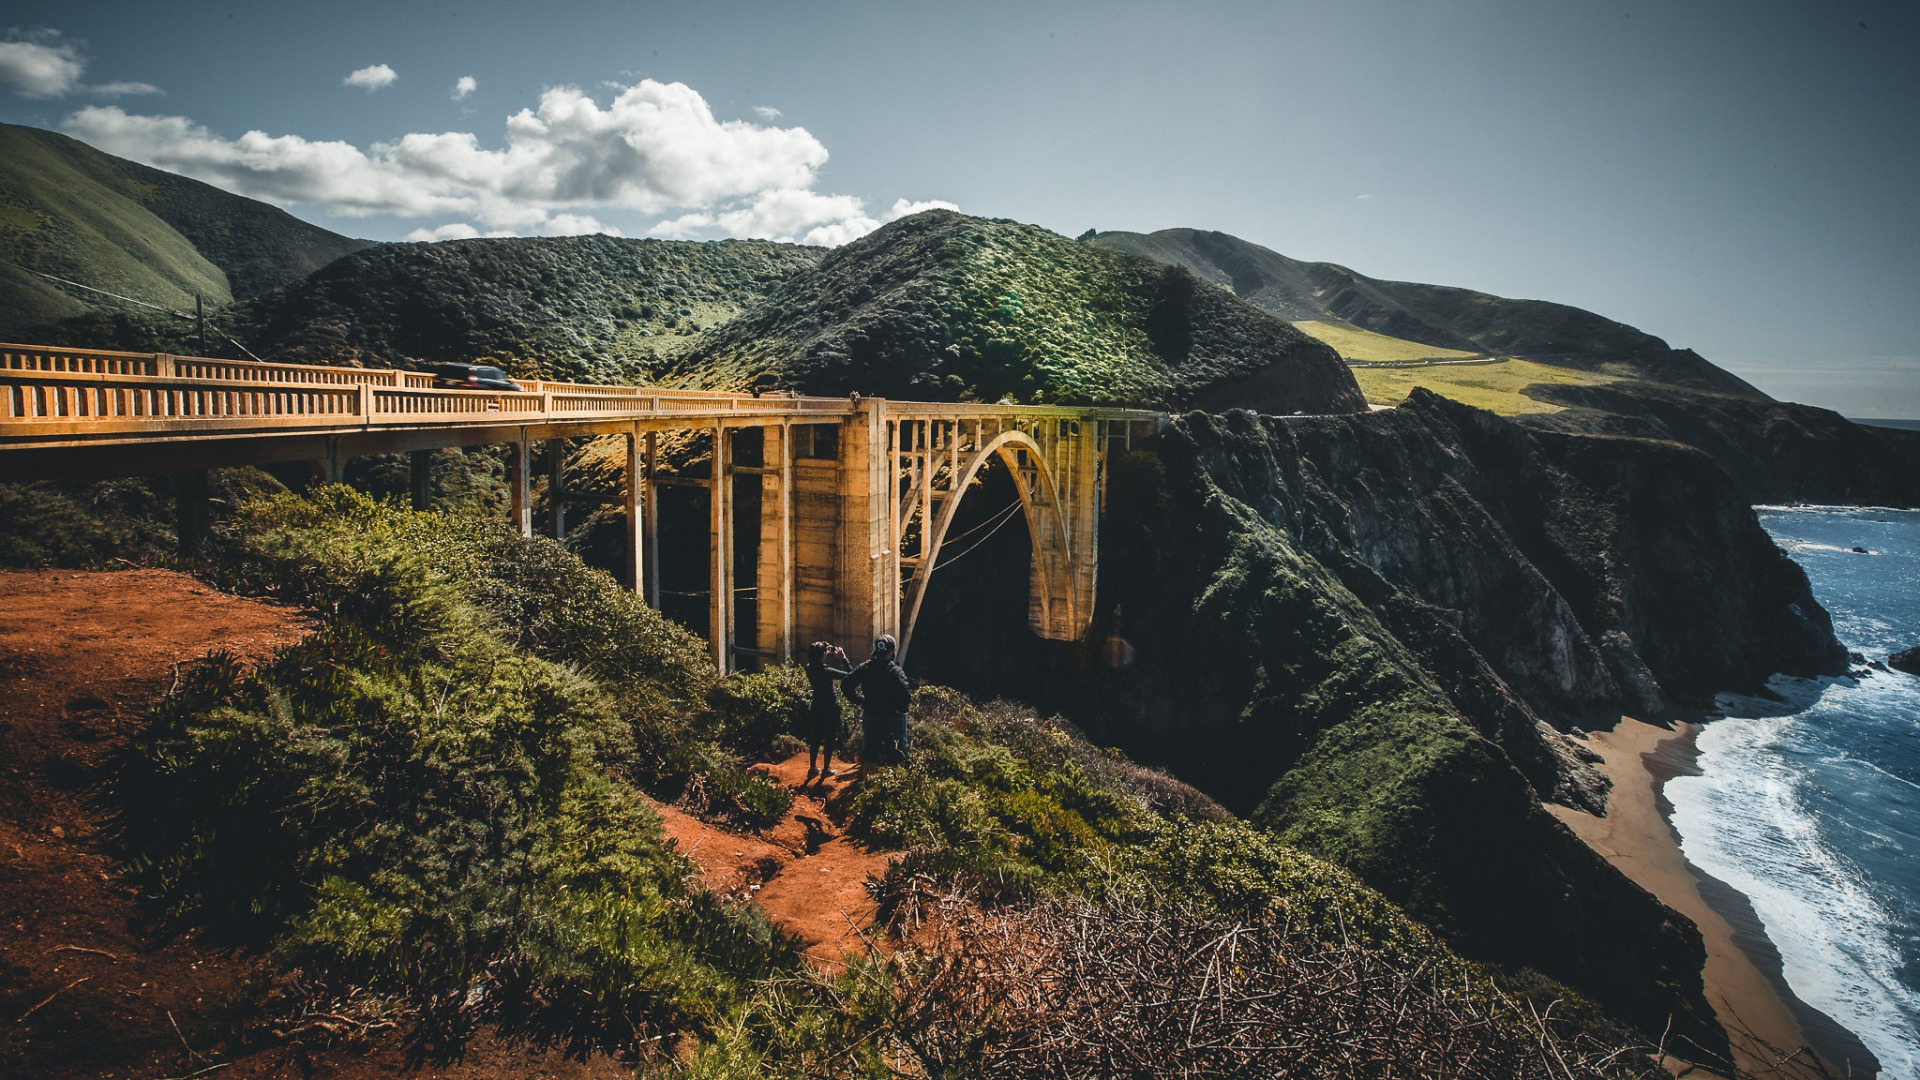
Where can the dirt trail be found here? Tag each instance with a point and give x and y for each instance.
(804, 872)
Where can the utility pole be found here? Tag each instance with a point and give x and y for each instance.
(200, 316)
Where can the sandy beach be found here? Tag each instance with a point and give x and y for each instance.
(1752, 1002)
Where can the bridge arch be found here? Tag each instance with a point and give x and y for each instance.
(1040, 503)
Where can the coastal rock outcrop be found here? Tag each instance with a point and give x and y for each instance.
(1775, 451)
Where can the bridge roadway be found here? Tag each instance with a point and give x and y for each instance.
(856, 494)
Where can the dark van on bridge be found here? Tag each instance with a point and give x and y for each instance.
(470, 377)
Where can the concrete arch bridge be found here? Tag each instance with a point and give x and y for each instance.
(849, 500)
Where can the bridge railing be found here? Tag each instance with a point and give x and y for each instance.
(51, 392)
(75, 403)
(43, 359)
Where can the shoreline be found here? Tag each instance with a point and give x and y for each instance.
(1743, 975)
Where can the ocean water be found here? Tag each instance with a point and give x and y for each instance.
(1810, 804)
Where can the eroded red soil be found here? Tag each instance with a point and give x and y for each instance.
(808, 877)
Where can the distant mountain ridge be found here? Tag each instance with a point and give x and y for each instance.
(71, 211)
(1437, 315)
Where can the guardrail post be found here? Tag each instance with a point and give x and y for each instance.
(366, 401)
(163, 365)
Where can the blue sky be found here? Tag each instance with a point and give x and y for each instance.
(1738, 178)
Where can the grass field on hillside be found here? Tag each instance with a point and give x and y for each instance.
(1495, 387)
(1353, 343)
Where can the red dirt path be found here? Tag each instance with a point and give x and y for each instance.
(808, 877)
(87, 991)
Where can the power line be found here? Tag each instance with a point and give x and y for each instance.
(102, 292)
(198, 317)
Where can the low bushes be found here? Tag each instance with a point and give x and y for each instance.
(431, 797)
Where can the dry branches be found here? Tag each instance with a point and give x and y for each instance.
(1072, 991)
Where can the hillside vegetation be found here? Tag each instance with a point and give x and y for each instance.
(1353, 343)
(942, 306)
(1435, 315)
(1505, 388)
(69, 210)
(432, 813)
(592, 308)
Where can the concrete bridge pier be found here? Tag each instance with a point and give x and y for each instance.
(420, 477)
(192, 511)
(520, 484)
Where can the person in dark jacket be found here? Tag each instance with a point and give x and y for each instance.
(881, 689)
(823, 716)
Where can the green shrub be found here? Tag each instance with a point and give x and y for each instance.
(406, 802)
(997, 797)
(754, 708)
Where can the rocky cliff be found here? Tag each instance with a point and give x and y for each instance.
(1775, 451)
(1372, 633)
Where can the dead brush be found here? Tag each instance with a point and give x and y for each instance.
(1070, 990)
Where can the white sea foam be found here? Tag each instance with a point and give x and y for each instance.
(1753, 819)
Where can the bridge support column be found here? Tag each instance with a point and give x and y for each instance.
(331, 469)
(869, 583)
(720, 546)
(1083, 519)
(650, 528)
(556, 487)
(420, 476)
(633, 571)
(521, 484)
(773, 593)
(192, 514)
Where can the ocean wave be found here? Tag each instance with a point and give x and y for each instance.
(1752, 819)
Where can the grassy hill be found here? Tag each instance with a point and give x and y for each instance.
(599, 308)
(69, 210)
(1431, 315)
(945, 306)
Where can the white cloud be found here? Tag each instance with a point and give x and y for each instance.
(655, 149)
(575, 225)
(372, 77)
(458, 230)
(465, 85)
(123, 89)
(766, 112)
(40, 65)
(901, 208)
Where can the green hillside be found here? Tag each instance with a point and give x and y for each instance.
(69, 210)
(598, 308)
(945, 306)
(1433, 315)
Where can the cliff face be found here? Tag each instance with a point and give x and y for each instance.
(1369, 632)
(1775, 451)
